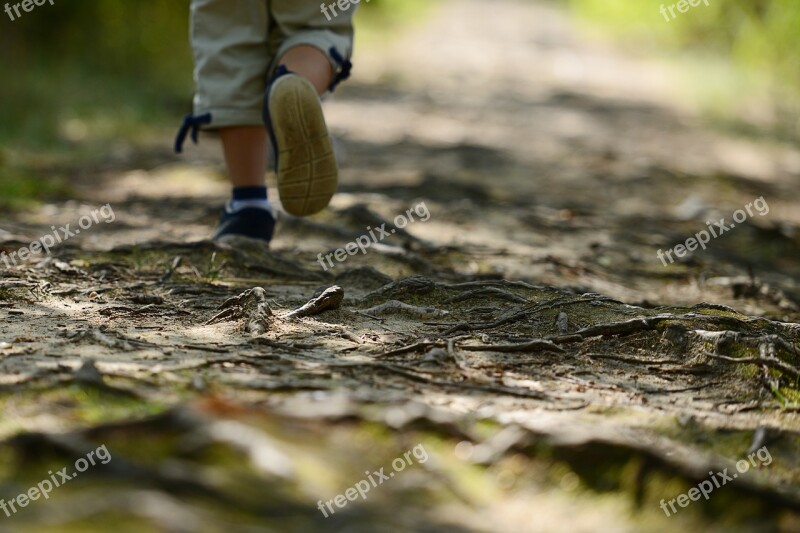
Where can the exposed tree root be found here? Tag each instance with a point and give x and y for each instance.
(489, 292)
(631, 360)
(777, 364)
(531, 346)
(417, 346)
(252, 306)
(397, 307)
(404, 288)
(331, 298)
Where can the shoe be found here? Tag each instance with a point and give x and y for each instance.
(252, 222)
(304, 159)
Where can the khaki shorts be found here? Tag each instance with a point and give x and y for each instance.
(236, 44)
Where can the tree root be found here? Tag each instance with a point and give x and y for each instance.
(251, 305)
(331, 298)
(531, 346)
(627, 327)
(487, 293)
(766, 344)
(498, 389)
(422, 345)
(516, 315)
(413, 286)
(777, 364)
(631, 360)
(492, 283)
(395, 306)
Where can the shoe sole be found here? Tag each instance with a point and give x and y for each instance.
(307, 171)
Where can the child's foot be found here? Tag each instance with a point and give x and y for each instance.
(252, 222)
(305, 162)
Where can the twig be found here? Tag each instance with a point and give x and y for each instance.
(511, 391)
(517, 315)
(492, 283)
(349, 335)
(488, 292)
(768, 362)
(531, 346)
(626, 327)
(405, 349)
(405, 287)
(631, 360)
(204, 348)
(395, 306)
(176, 262)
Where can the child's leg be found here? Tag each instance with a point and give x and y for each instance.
(310, 63)
(303, 38)
(311, 55)
(236, 46)
(230, 43)
(245, 149)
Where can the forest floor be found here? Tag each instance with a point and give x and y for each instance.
(520, 338)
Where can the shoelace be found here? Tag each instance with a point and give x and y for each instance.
(345, 66)
(191, 123)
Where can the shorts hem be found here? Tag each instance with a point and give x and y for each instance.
(322, 40)
(227, 117)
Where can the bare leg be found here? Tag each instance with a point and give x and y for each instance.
(310, 63)
(245, 147)
(245, 150)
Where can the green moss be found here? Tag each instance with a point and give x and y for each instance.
(23, 187)
(74, 404)
(105, 521)
(791, 395)
(729, 444)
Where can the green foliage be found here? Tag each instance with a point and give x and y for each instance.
(105, 68)
(78, 76)
(20, 186)
(757, 33)
(375, 17)
(758, 36)
(92, 69)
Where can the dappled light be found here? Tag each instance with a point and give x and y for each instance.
(556, 289)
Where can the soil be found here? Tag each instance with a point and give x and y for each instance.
(557, 374)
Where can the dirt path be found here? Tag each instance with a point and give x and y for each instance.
(557, 374)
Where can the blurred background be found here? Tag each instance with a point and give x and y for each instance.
(78, 74)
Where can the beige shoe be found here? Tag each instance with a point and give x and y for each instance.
(305, 163)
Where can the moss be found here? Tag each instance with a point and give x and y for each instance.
(106, 521)
(23, 187)
(791, 395)
(74, 404)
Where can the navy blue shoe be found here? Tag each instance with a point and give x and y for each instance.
(252, 222)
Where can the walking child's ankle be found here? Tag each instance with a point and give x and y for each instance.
(244, 197)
